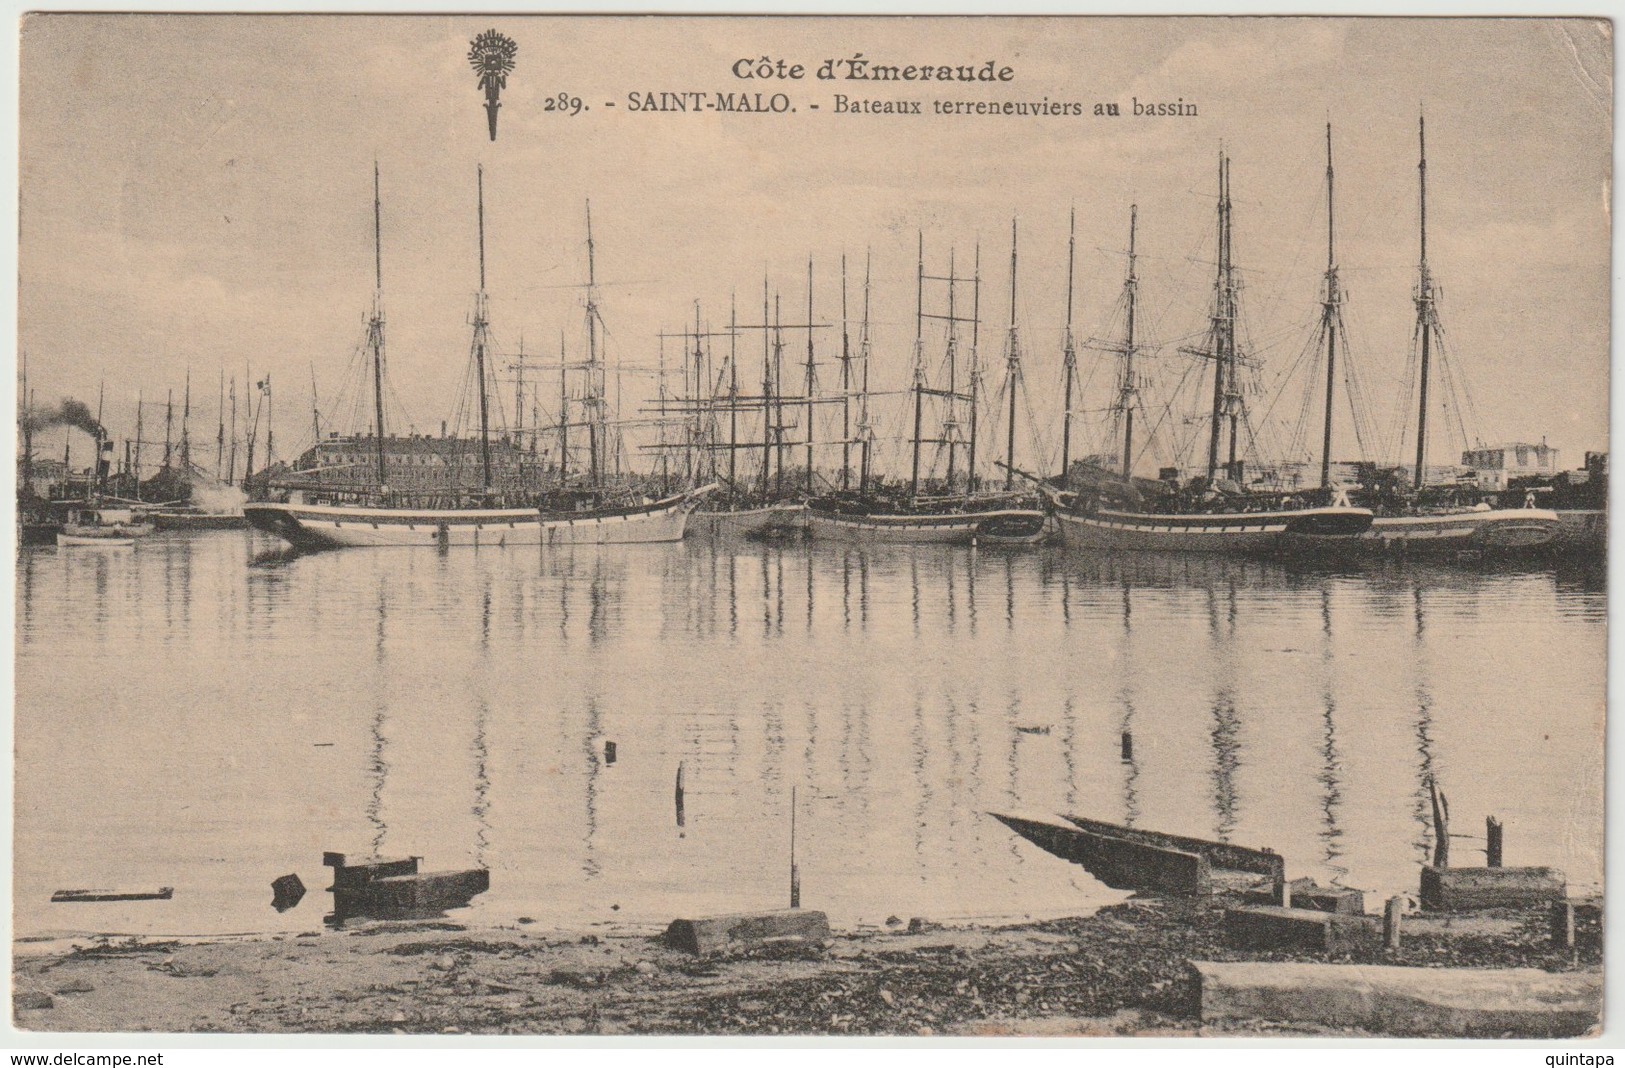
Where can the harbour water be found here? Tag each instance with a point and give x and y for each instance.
(207, 712)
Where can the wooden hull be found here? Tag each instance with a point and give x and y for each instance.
(1221, 855)
(100, 541)
(1004, 526)
(747, 522)
(198, 521)
(1241, 533)
(1495, 530)
(313, 526)
(1120, 863)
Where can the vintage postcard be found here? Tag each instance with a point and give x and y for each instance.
(820, 526)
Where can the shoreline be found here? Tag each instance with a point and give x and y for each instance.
(1123, 970)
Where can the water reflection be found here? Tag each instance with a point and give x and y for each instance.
(1281, 706)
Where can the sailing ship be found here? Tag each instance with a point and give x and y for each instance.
(1431, 520)
(1102, 509)
(968, 517)
(770, 508)
(379, 517)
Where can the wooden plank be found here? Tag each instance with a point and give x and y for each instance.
(163, 893)
(1218, 854)
(1389, 1000)
(1121, 863)
(1464, 889)
(1275, 927)
(349, 873)
(742, 931)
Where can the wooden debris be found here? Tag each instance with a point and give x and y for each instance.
(736, 933)
(163, 893)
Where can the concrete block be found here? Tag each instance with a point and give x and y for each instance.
(1275, 927)
(1463, 889)
(1387, 1000)
(749, 930)
(1307, 895)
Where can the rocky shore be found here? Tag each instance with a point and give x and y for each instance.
(1123, 970)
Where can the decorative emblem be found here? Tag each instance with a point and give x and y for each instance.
(491, 55)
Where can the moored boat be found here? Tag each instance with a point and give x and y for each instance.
(331, 526)
(1264, 531)
(104, 527)
(746, 521)
(833, 519)
(1480, 529)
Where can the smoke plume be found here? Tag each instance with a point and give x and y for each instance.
(69, 413)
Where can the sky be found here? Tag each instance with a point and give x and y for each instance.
(196, 196)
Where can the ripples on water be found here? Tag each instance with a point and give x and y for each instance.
(210, 713)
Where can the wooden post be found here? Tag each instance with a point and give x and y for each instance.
(1492, 842)
(1128, 747)
(1283, 891)
(795, 873)
(1441, 825)
(1391, 914)
(679, 793)
(1563, 924)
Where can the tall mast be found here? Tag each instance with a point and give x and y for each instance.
(863, 354)
(1329, 317)
(138, 443)
(1220, 319)
(270, 422)
(169, 423)
(1013, 371)
(253, 428)
(186, 419)
(28, 431)
(767, 393)
(1069, 354)
(702, 406)
(594, 400)
(564, 414)
(315, 410)
(810, 366)
(376, 332)
(919, 363)
(778, 403)
(480, 330)
(1424, 305)
(733, 389)
(1232, 398)
(101, 394)
(220, 431)
(975, 366)
(846, 388)
(1127, 394)
(231, 461)
(950, 425)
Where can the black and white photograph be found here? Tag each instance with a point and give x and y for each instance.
(933, 527)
